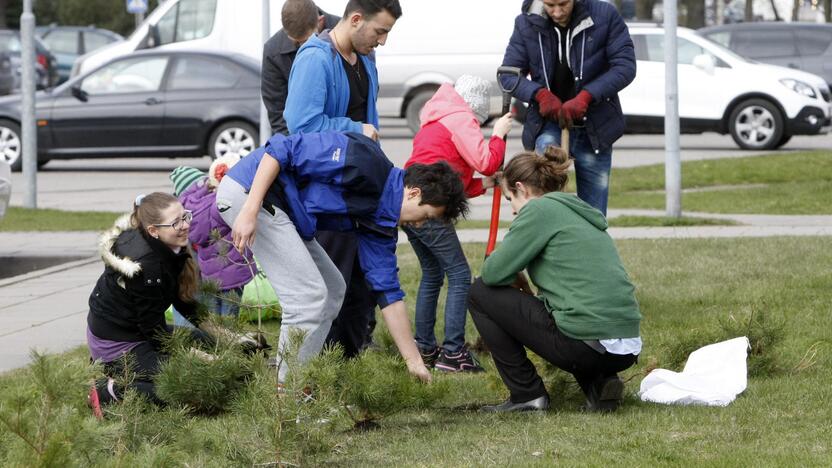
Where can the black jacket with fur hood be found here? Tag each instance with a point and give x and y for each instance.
(140, 281)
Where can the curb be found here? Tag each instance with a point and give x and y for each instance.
(48, 271)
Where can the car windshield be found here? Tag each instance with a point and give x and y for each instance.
(721, 48)
(9, 43)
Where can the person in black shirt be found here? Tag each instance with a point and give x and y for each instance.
(301, 19)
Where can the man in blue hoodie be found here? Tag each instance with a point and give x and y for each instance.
(334, 82)
(279, 195)
(333, 85)
(579, 55)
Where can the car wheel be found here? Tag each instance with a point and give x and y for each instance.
(756, 124)
(11, 149)
(235, 138)
(414, 107)
(783, 140)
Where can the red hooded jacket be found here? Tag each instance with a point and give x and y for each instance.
(450, 132)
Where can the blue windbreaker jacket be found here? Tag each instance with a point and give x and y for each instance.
(601, 57)
(319, 90)
(338, 181)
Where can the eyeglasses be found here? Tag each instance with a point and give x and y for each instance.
(186, 218)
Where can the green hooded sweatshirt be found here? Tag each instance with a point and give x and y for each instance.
(564, 245)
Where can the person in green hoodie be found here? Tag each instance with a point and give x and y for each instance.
(584, 318)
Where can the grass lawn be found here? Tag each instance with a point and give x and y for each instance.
(26, 219)
(620, 221)
(44, 219)
(797, 183)
(688, 290)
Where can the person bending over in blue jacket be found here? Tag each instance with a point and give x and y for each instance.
(578, 55)
(278, 196)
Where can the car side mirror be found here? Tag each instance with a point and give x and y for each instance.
(79, 93)
(705, 63)
(153, 39)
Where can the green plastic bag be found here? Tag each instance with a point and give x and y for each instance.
(258, 291)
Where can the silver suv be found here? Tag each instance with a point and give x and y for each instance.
(804, 46)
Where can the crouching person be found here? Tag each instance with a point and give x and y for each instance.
(280, 194)
(147, 267)
(585, 318)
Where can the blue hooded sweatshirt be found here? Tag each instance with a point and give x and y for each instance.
(319, 90)
(338, 182)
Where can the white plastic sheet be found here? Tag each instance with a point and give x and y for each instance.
(713, 376)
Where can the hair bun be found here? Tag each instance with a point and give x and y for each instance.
(556, 155)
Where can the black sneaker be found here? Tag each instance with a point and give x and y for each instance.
(605, 395)
(463, 361)
(429, 357)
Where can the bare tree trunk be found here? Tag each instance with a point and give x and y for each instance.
(776, 13)
(827, 11)
(749, 10)
(695, 13)
(644, 9)
(3, 4)
(796, 10)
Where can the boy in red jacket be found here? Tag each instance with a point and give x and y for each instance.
(451, 132)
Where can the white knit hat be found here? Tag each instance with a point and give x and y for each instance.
(219, 167)
(474, 90)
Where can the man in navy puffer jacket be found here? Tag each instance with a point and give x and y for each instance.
(578, 55)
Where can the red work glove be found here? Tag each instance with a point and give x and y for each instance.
(549, 103)
(574, 109)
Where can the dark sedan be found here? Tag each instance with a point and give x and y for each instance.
(46, 65)
(149, 103)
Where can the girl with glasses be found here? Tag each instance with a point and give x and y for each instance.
(147, 267)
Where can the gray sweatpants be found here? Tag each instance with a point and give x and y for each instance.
(308, 284)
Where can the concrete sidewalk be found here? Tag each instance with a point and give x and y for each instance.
(46, 309)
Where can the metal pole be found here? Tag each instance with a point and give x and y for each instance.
(27, 110)
(672, 165)
(139, 19)
(265, 126)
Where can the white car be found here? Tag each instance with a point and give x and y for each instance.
(761, 106)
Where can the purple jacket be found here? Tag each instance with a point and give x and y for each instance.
(218, 260)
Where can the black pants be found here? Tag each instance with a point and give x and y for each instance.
(357, 317)
(144, 361)
(510, 321)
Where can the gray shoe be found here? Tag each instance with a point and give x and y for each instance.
(538, 404)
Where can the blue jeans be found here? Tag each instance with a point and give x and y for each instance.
(216, 304)
(592, 170)
(439, 252)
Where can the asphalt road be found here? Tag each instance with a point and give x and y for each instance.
(112, 184)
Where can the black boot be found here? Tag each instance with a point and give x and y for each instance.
(605, 395)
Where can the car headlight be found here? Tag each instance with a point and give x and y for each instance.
(799, 87)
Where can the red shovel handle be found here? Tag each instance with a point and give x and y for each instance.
(495, 220)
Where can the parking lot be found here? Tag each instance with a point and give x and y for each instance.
(110, 184)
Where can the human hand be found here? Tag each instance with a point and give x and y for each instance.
(503, 125)
(244, 230)
(369, 131)
(549, 103)
(202, 355)
(574, 109)
(489, 182)
(417, 369)
(521, 283)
